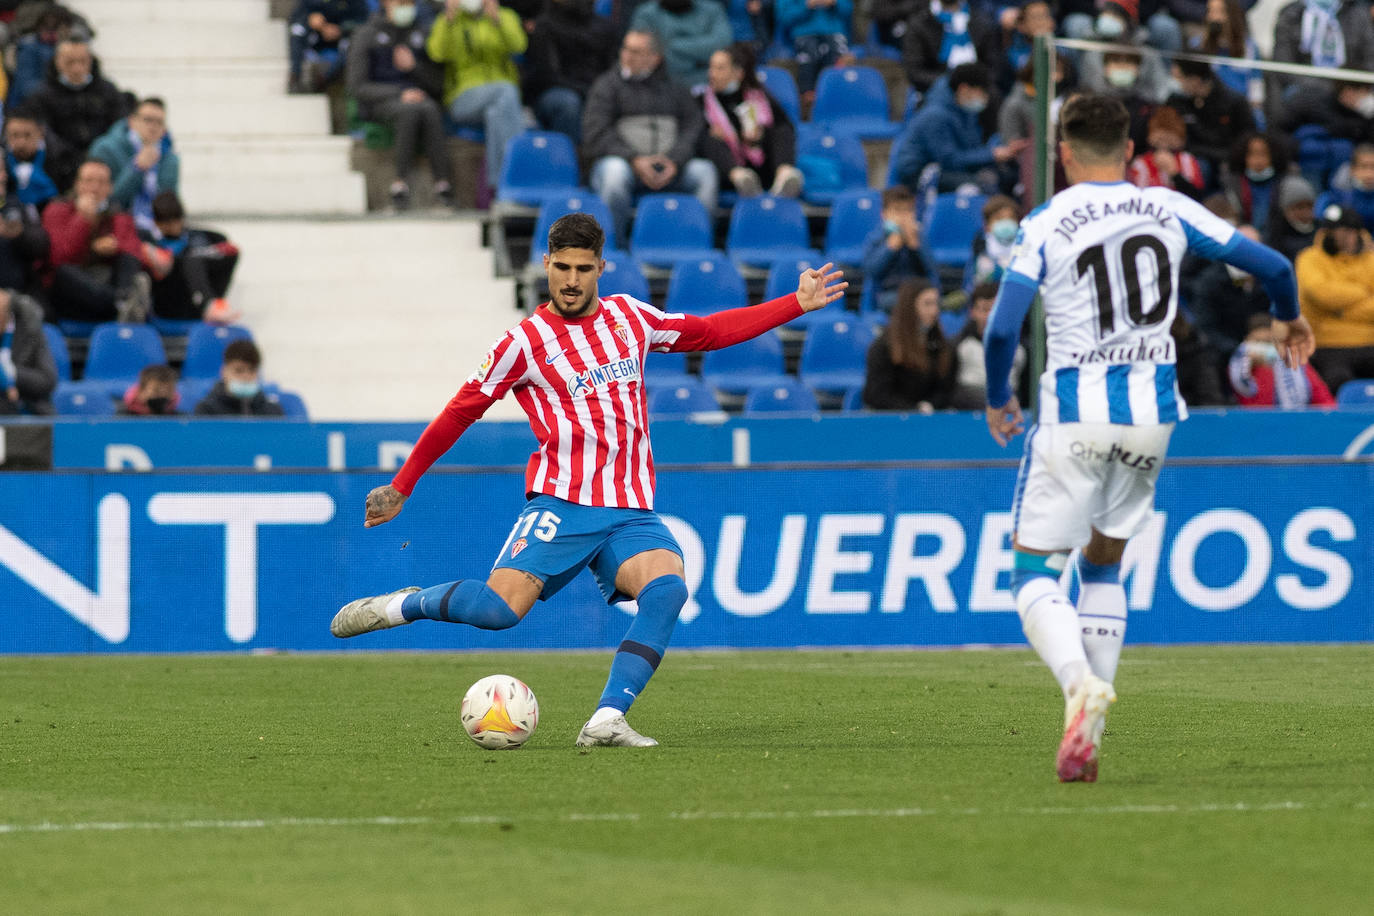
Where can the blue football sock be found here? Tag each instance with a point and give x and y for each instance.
(465, 601)
(642, 649)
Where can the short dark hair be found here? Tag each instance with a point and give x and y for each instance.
(243, 350)
(167, 206)
(985, 290)
(577, 230)
(1196, 68)
(89, 160)
(971, 74)
(151, 100)
(1094, 125)
(1279, 155)
(1361, 149)
(743, 55)
(1000, 202)
(26, 111)
(898, 195)
(156, 374)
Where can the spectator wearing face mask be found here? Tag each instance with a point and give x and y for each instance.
(569, 48)
(1257, 163)
(992, 249)
(1120, 21)
(689, 32)
(818, 31)
(153, 395)
(1292, 220)
(1358, 192)
(1213, 114)
(238, 393)
(1343, 110)
(1336, 293)
(1165, 163)
(76, 102)
(748, 136)
(1260, 379)
(1322, 33)
(1145, 76)
(943, 35)
(1224, 298)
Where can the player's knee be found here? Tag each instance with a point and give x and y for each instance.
(489, 611)
(1027, 567)
(668, 591)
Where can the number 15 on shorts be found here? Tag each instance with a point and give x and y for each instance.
(540, 523)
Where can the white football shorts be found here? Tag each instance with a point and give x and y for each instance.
(1079, 476)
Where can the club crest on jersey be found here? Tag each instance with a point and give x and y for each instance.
(519, 545)
(619, 370)
(622, 332)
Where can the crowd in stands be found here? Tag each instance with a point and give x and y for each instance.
(93, 233)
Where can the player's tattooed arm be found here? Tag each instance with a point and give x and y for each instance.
(383, 504)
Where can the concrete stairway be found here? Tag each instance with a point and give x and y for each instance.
(247, 148)
(378, 319)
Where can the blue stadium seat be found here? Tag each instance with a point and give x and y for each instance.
(205, 348)
(538, 164)
(82, 399)
(291, 403)
(951, 224)
(172, 327)
(790, 396)
(853, 215)
(783, 88)
(559, 205)
(853, 100)
(57, 345)
(622, 276)
(782, 279)
(81, 329)
(686, 398)
(745, 365)
(119, 351)
(834, 354)
(191, 391)
(832, 163)
(764, 229)
(705, 285)
(667, 370)
(669, 228)
(953, 321)
(853, 399)
(1356, 393)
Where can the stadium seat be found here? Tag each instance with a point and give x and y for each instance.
(686, 398)
(667, 370)
(81, 329)
(951, 224)
(205, 348)
(669, 228)
(834, 354)
(853, 399)
(782, 86)
(191, 391)
(788, 397)
(853, 100)
(119, 351)
(538, 164)
(953, 321)
(57, 345)
(622, 276)
(782, 279)
(81, 399)
(559, 205)
(832, 163)
(853, 215)
(172, 327)
(705, 285)
(291, 403)
(764, 229)
(745, 365)
(1356, 393)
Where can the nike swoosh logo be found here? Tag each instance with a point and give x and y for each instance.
(550, 360)
(631, 692)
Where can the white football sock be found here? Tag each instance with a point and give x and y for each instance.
(1102, 615)
(393, 610)
(1051, 625)
(603, 714)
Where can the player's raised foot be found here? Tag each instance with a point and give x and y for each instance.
(614, 732)
(366, 614)
(1085, 717)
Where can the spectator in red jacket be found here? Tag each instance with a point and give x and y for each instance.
(97, 272)
(1260, 379)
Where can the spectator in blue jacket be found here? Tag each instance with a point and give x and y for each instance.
(39, 164)
(892, 252)
(689, 32)
(138, 150)
(819, 33)
(947, 132)
(1359, 196)
(319, 31)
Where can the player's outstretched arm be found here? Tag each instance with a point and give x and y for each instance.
(383, 504)
(1294, 340)
(819, 287)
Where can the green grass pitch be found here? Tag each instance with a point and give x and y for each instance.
(1234, 780)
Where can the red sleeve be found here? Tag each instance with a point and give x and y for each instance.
(1321, 395)
(724, 329)
(69, 232)
(464, 409)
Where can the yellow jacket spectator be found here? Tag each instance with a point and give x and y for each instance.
(1336, 292)
(476, 42)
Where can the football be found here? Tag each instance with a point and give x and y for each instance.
(499, 712)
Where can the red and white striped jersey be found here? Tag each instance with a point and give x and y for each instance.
(580, 381)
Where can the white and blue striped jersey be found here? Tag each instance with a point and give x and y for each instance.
(1105, 258)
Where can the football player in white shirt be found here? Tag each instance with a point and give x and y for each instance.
(1104, 255)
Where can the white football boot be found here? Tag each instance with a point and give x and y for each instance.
(614, 732)
(1085, 717)
(366, 614)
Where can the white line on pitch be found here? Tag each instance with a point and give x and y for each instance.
(575, 817)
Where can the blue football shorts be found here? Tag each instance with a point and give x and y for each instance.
(554, 539)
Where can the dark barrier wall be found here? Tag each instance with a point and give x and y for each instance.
(154, 562)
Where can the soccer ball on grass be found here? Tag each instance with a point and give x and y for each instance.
(499, 712)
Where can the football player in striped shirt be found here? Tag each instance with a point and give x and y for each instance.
(576, 366)
(1104, 256)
